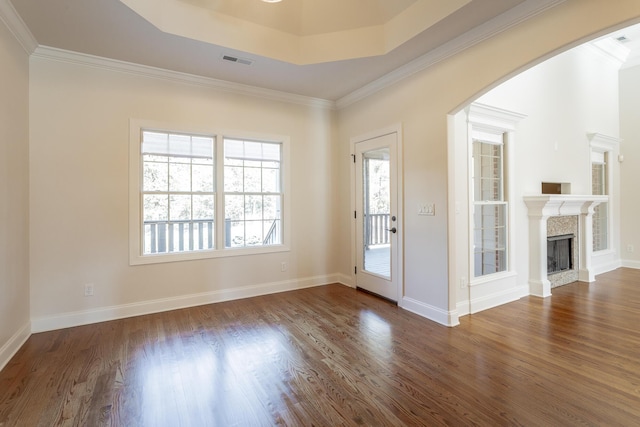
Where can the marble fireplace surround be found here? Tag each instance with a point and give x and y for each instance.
(541, 208)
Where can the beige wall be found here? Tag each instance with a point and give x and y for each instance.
(629, 170)
(79, 194)
(14, 195)
(422, 102)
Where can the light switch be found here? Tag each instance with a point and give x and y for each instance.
(427, 209)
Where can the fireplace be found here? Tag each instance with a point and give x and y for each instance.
(545, 210)
(559, 253)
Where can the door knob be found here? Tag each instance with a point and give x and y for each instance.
(393, 230)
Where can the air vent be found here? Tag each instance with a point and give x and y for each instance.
(243, 61)
(623, 39)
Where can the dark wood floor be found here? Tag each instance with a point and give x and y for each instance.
(333, 356)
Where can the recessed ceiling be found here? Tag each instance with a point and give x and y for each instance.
(298, 31)
(308, 17)
(111, 29)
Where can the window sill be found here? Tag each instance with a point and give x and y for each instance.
(199, 255)
(492, 278)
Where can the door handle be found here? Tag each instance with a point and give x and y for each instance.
(393, 230)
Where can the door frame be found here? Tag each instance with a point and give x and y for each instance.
(399, 271)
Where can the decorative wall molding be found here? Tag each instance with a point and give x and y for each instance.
(17, 27)
(103, 314)
(60, 55)
(526, 10)
(11, 347)
(446, 318)
(602, 143)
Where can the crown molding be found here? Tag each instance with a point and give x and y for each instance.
(611, 50)
(511, 18)
(60, 55)
(9, 16)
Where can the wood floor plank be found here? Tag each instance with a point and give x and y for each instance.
(331, 356)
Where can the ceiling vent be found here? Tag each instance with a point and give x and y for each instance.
(243, 61)
(623, 39)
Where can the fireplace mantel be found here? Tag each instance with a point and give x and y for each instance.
(562, 204)
(543, 206)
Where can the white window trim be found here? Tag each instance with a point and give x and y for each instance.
(609, 145)
(490, 123)
(135, 185)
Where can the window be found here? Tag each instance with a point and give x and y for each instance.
(178, 192)
(600, 214)
(491, 136)
(201, 195)
(602, 150)
(252, 193)
(489, 209)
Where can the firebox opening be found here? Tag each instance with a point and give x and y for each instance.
(559, 253)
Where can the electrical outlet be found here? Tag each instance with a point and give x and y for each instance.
(630, 248)
(283, 266)
(88, 290)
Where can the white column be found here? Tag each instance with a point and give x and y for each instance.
(585, 272)
(539, 285)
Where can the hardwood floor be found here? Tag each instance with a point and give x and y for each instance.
(333, 356)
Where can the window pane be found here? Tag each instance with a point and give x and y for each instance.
(271, 207)
(202, 178)
(180, 208)
(203, 207)
(252, 180)
(156, 207)
(233, 179)
(253, 207)
(490, 238)
(253, 233)
(234, 207)
(155, 176)
(179, 176)
(600, 227)
(270, 180)
(234, 234)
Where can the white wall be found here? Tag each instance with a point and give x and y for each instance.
(79, 194)
(14, 195)
(630, 168)
(423, 101)
(564, 99)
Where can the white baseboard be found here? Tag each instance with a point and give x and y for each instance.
(447, 318)
(631, 264)
(498, 298)
(345, 280)
(610, 266)
(11, 347)
(86, 317)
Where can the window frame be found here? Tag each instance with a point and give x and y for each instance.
(603, 149)
(489, 123)
(136, 257)
(502, 201)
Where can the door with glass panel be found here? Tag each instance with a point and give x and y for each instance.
(377, 223)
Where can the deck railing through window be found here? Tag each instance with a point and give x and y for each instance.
(196, 235)
(376, 229)
(178, 236)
